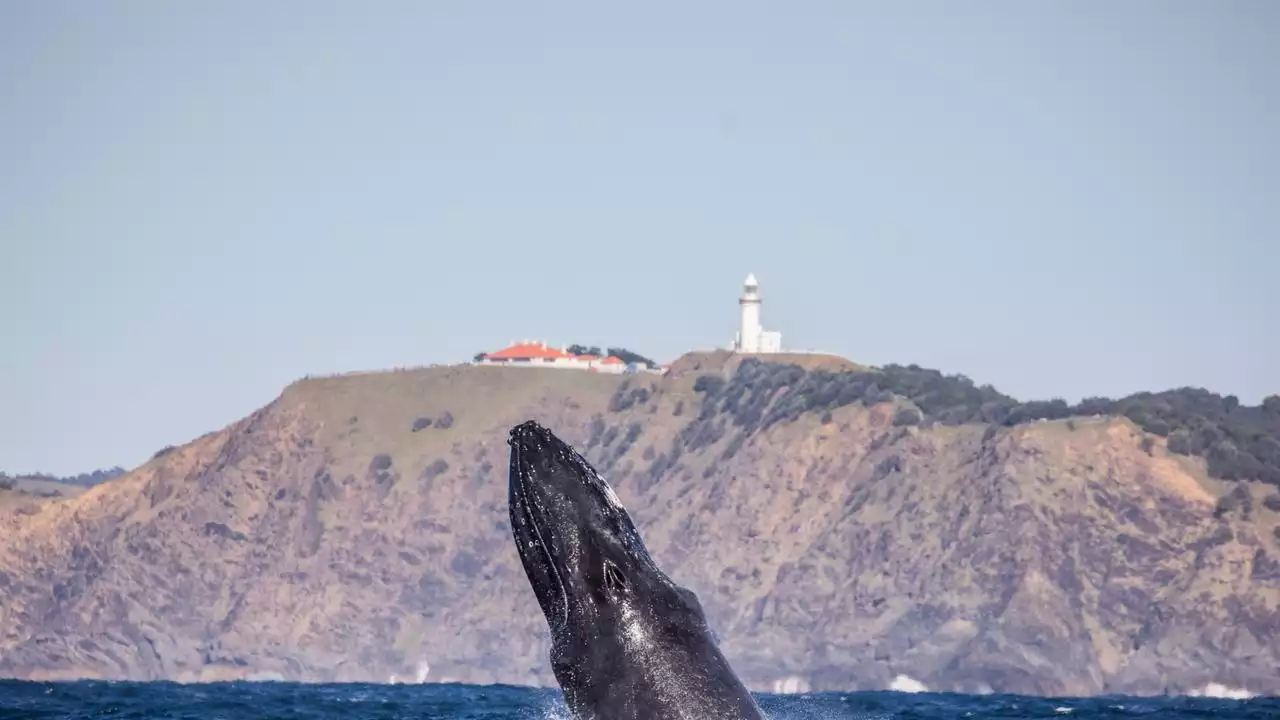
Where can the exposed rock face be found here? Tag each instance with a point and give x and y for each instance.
(333, 535)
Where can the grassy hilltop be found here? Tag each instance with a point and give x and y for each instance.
(840, 524)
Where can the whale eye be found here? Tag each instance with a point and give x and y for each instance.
(613, 577)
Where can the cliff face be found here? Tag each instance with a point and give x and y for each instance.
(325, 538)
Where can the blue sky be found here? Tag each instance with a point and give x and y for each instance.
(204, 202)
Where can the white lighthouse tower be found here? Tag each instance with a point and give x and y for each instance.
(751, 336)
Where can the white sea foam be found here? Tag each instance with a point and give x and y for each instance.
(791, 685)
(1222, 692)
(907, 684)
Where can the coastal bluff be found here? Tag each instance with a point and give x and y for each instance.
(839, 530)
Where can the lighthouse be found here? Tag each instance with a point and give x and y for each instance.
(751, 336)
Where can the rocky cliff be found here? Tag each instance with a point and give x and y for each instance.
(357, 526)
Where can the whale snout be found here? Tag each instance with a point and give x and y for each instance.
(529, 432)
(536, 451)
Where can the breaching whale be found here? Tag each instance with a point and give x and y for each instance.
(626, 642)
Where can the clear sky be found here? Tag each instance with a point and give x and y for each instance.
(201, 202)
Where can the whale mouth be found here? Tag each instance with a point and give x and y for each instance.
(527, 530)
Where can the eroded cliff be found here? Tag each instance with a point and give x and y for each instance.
(356, 526)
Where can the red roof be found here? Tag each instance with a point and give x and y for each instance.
(523, 351)
(611, 360)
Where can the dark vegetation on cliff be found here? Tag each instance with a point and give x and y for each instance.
(623, 354)
(88, 479)
(1237, 441)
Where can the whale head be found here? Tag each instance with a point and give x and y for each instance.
(580, 548)
(625, 638)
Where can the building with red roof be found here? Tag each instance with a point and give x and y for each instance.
(529, 353)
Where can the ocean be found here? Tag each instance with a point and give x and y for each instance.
(259, 701)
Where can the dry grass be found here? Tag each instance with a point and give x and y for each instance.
(364, 416)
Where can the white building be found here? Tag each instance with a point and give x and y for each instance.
(751, 336)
